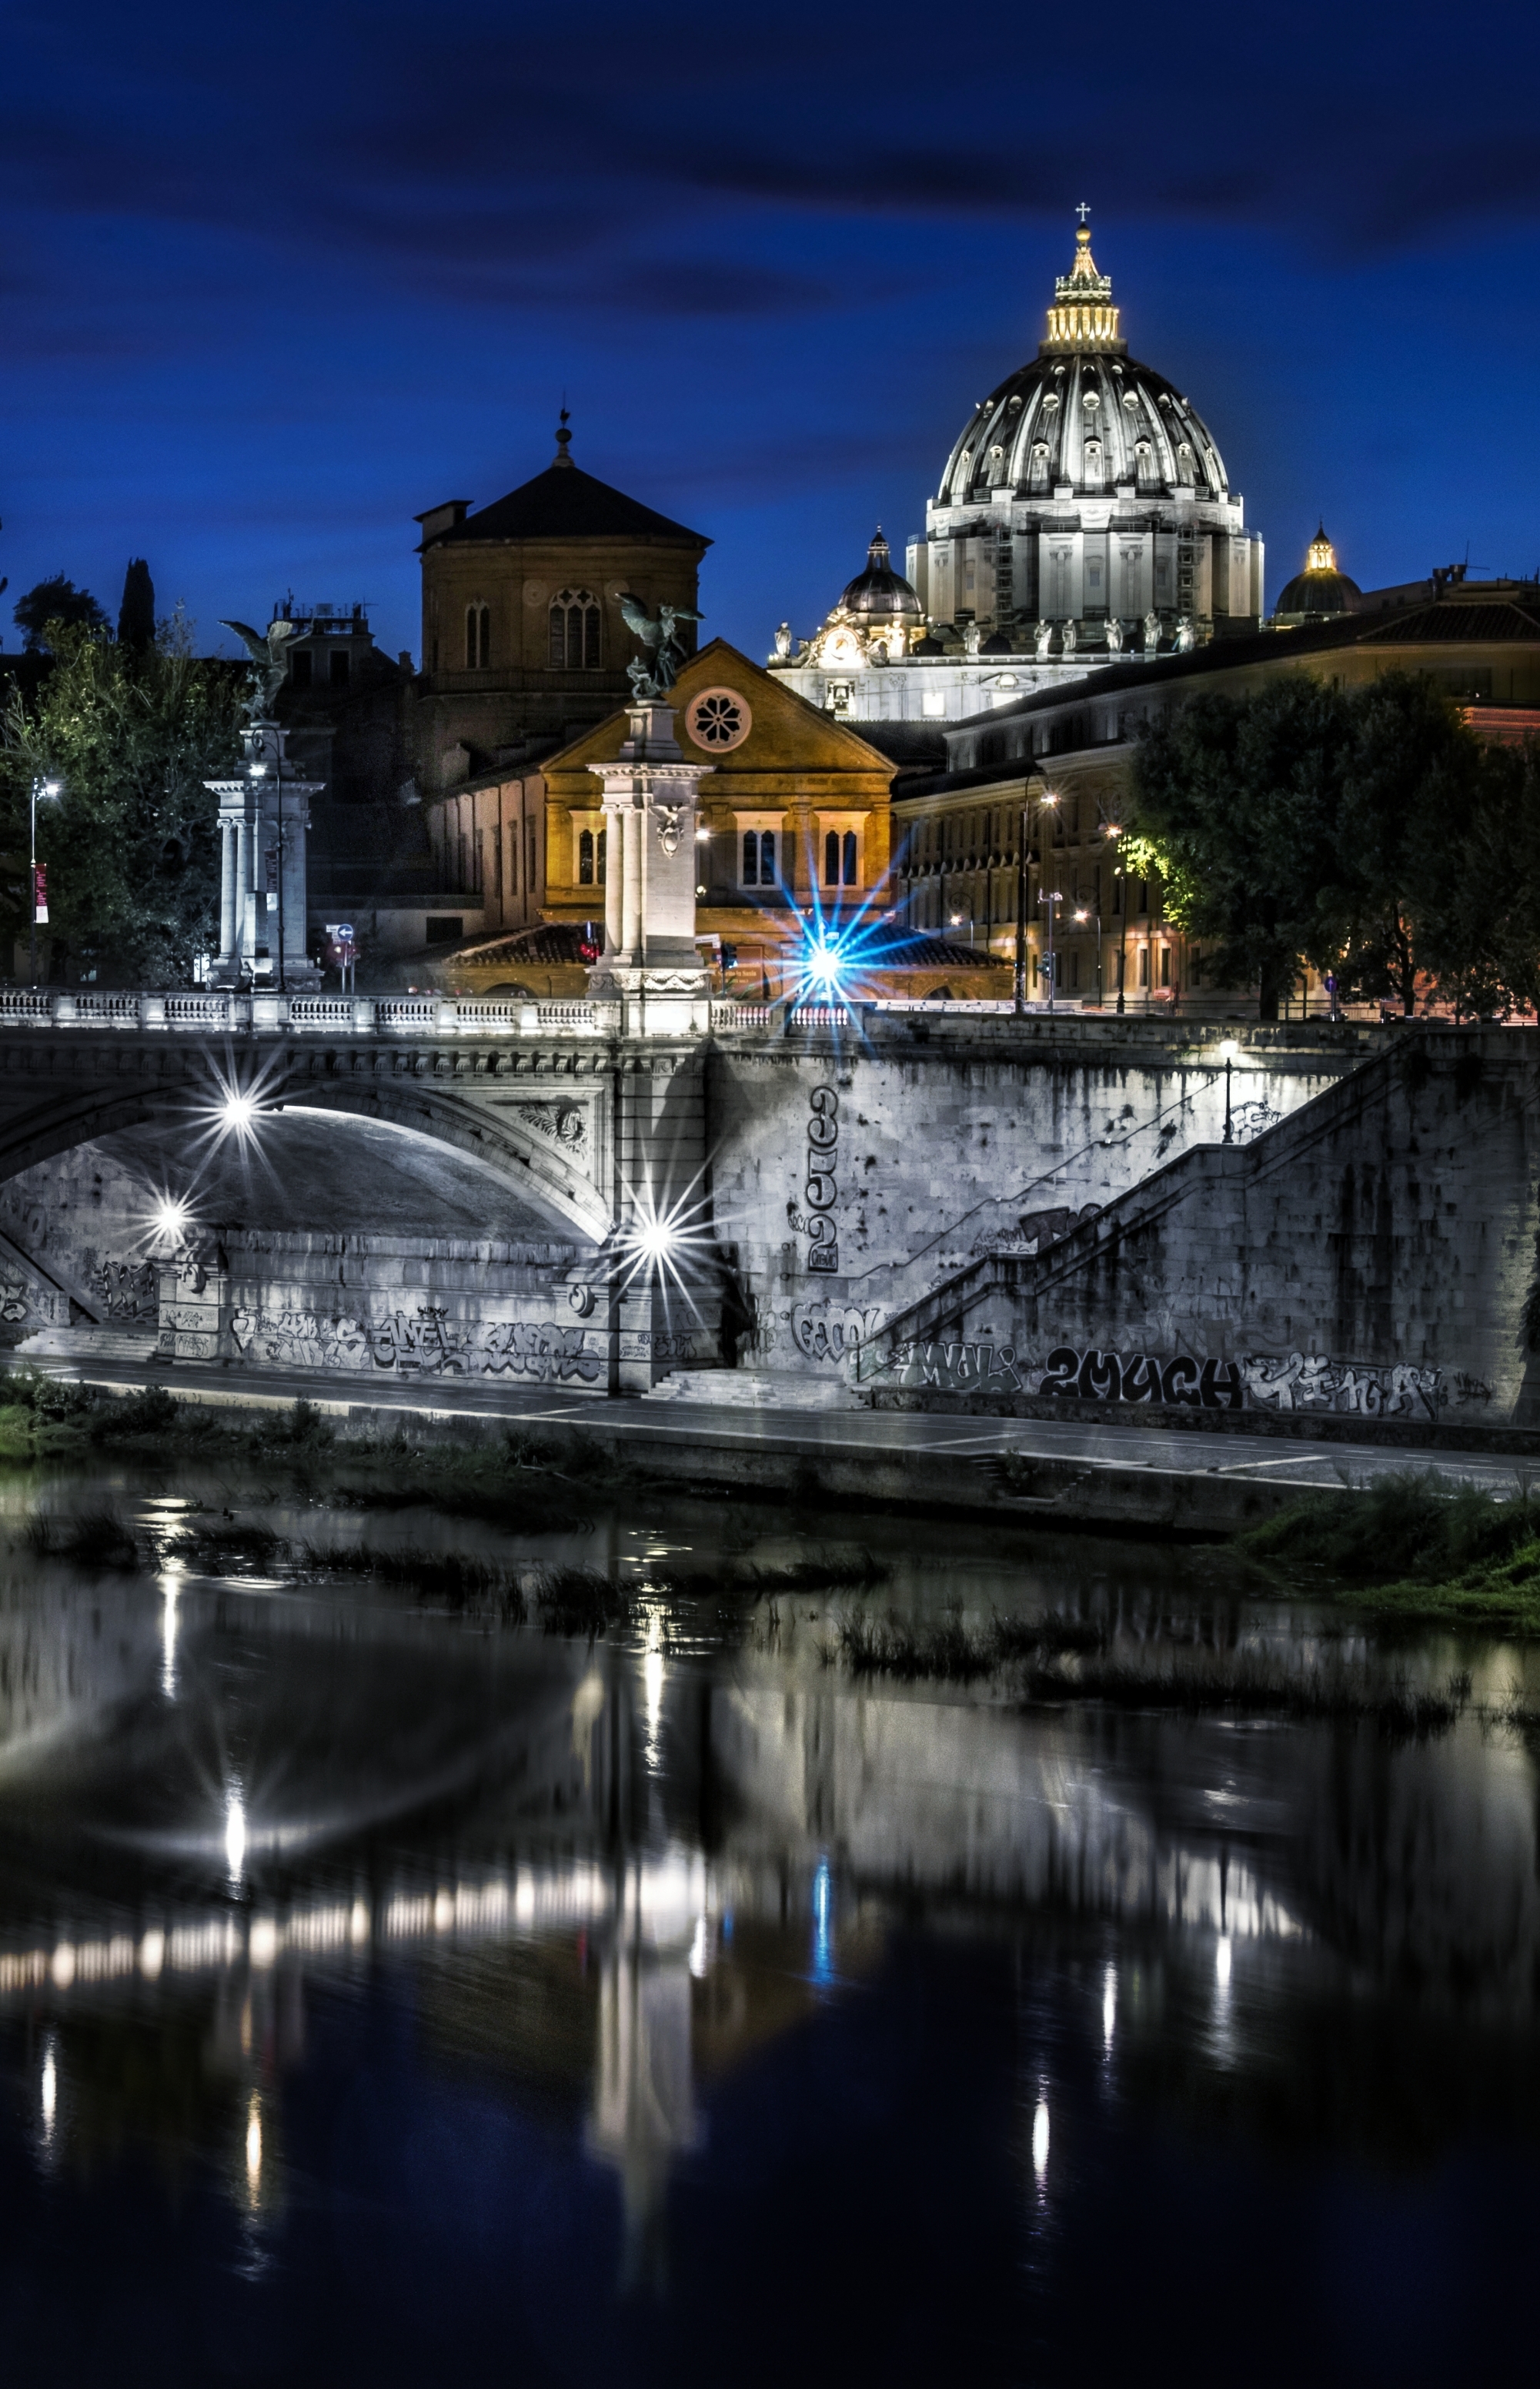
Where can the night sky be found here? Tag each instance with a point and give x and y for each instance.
(276, 279)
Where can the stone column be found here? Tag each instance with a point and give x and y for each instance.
(244, 939)
(614, 867)
(226, 890)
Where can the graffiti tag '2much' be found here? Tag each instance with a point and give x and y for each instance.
(821, 1190)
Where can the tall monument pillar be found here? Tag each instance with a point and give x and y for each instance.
(264, 823)
(651, 970)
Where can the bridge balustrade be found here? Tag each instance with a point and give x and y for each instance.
(266, 1009)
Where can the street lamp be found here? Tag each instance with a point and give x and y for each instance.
(1048, 799)
(1049, 897)
(1228, 1050)
(1114, 831)
(1083, 915)
(46, 792)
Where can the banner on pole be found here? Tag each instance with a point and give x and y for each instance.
(40, 892)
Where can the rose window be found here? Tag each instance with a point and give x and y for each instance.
(719, 719)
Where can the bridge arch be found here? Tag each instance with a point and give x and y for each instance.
(545, 1147)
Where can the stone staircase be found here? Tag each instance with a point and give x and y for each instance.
(138, 1345)
(747, 1390)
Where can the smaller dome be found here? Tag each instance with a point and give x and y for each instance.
(879, 595)
(1320, 593)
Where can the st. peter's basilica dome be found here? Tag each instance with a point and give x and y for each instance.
(1084, 418)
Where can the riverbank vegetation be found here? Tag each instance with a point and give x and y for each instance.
(1408, 1550)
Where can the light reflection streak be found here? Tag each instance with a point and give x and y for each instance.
(652, 1686)
(1040, 2137)
(1109, 2009)
(48, 2090)
(824, 1939)
(235, 1834)
(170, 1581)
(254, 2148)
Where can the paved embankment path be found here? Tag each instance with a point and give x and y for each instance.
(1185, 1480)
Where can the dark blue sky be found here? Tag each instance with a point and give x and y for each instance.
(275, 279)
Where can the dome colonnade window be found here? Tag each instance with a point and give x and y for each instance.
(479, 638)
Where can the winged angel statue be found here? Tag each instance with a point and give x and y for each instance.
(269, 664)
(655, 674)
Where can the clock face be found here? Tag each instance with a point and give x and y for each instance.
(719, 719)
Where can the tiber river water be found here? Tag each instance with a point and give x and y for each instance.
(394, 1995)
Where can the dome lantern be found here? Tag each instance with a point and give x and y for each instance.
(1319, 593)
(1082, 315)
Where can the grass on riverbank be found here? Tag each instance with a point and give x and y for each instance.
(1413, 1553)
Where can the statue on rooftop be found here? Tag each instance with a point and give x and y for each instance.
(268, 651)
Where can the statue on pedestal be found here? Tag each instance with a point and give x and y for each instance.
(654, 677)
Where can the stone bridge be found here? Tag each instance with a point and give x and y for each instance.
(431, 1186)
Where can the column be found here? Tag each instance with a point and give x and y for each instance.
(226, 890)
(633, 822)
(614, 866)
(241, 942)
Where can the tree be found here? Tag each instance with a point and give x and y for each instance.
(1370, 831)
(1236, 806)
(57, 601)
(132, 847)
(136, 614)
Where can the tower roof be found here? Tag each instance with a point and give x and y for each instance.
(564, 503)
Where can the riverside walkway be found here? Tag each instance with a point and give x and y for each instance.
(1184, 1480)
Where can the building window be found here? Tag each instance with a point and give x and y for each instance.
(497, 861)
(574, 630)
(300, 664)
(338, 663)
(478, 637)
(585, 859)
(719, 719)
(1144, 966)
(461, 862)
(532, 858)
(759, 858)
(839, 859)
(1165, 965)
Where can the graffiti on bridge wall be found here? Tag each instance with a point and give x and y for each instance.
(424, 1343)
(1258, 1380)
(1179, 1380)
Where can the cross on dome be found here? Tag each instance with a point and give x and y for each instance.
(1083, 211)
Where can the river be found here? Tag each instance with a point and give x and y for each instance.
(393, 1988)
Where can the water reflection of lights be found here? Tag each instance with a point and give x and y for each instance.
(1221, 1962)
(48, 2088)
(235, 1834)
(824, 1939)
(1109, 2007)
(170, 1581)
(254, 2148)
(1040, 2137)
(652, 1687)
(700, 1948)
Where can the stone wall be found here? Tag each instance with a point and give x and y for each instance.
(852, 1178)
(1372, 1255)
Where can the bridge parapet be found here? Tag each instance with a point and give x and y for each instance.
(332, 1016)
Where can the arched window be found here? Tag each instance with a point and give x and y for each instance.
(575, 643)
(759, 858)
(479, 638)
(839, 859)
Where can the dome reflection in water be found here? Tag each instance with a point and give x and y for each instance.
(387, 1988)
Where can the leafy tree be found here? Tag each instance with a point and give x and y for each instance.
(1236, 806)
(136, 614)
(1414, 780)
(132, 847)
(1370, 831)
(57, 601)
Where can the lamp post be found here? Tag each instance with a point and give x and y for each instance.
(1083, 915)
(48, 792)
(1228, 1050)
(1114, 831)
(1049, 897)
(1048, 799)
